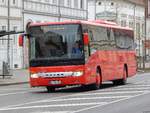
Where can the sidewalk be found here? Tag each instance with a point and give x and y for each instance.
(19, 76)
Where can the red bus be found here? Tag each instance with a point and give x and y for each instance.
(80, 53)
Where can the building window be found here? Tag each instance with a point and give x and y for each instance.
(99, 3)
(123, 23)
(138, 30)
(3, 1)
(131, 17)
(54, 1)
(4, 28)
(112, 3)
(76, 5)
(143, 29)
(69, 3)
(131, 24)
(61, 2)
(14, 1)
(47, 1)
(82, 4)
(124, 15)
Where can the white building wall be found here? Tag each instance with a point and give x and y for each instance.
(15, 22)
(37, 11)
(91, 10)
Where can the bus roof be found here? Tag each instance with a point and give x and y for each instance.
(102, 23)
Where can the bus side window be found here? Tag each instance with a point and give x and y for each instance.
(121, 40)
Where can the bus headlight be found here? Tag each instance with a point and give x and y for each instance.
(77, 74)
(34, 75)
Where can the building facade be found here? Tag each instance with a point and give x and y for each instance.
(130, 13)
(15, 14)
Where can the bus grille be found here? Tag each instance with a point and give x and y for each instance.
(55, 74)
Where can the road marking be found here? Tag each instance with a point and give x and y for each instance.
(134, 85)
(11, 89)
(5, 91)
(14, 93)
(122, 87)
(85, 109)
(90, 98)
(52, 112)
(117, 92)
(72, 105)
(78, 94)
(40, 101)
(59, 105)
(129, 88)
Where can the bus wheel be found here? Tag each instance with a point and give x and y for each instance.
(50, 89)
(96, 85)
(122, 81)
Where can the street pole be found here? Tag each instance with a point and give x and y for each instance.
(59, 13)
(140, 51)
(117, 12)
(144, 48)
(23, 58)
(23, 15)
(87, 10)
(8, 28)
(137, 38)
(95, 9)
(134, 20)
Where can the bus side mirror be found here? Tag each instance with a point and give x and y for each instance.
(86, 39)
(21, 38)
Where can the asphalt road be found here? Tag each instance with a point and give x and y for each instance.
(131, 98)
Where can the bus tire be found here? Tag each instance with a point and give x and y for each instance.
(97, 84)
(50, 89)
(125, 74)
(122, 81)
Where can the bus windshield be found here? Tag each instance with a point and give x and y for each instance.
(56, 43)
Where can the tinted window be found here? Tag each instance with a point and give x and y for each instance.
(103, 38)
(56, 42)
(124, 39)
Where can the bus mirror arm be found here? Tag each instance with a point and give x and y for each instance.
(21, 39)
(86, 39)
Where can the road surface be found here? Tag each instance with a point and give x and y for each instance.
(131, 98)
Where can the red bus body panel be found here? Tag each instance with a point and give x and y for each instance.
(111, 63)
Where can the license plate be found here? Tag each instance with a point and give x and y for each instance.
(55, 82)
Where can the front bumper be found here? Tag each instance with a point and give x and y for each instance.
(37, 82)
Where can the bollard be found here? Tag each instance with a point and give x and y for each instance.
(5, 69)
